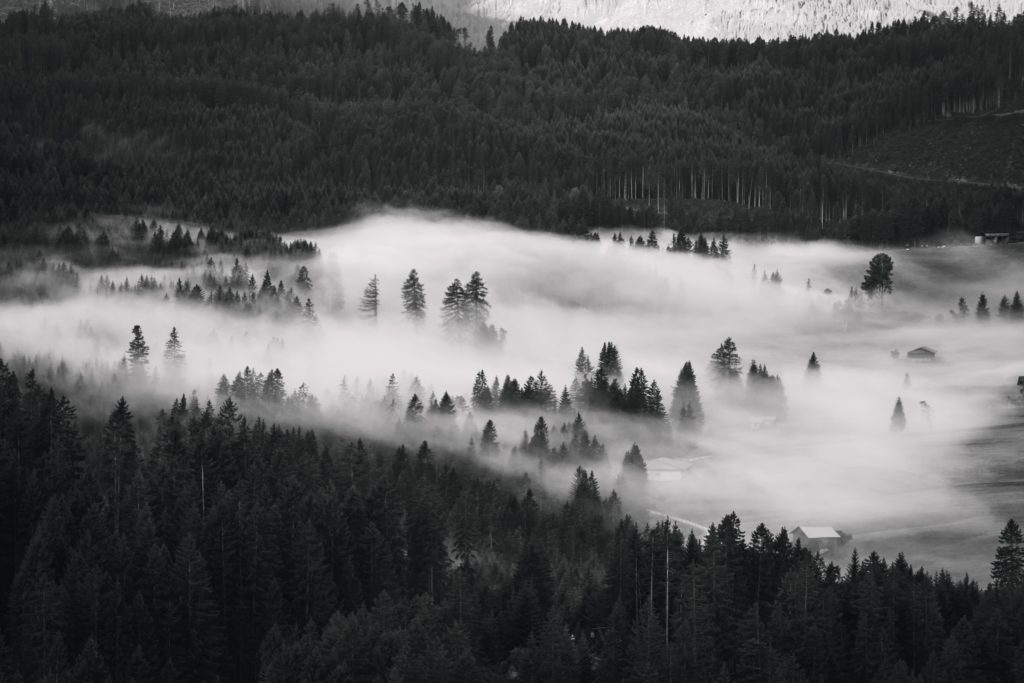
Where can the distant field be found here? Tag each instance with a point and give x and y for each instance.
(984, 149)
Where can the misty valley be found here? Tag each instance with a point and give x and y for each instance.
(459, 341)
(424, 404)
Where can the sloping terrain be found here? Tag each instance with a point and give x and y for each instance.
(985, 150)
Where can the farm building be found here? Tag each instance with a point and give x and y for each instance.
(665, 469)
(817, 538)
(922, 354)
(759, 423)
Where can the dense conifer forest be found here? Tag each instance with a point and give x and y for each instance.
(263, 121)
(206, 542)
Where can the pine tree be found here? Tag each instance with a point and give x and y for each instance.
(723, 247)
(686, 402)
(609, 363)
(1004, 307)
(453, 308)
(414, 300)
(476, 305)
(655, 405)
(489, 439)
(173, 352)
(813, 367)
(538, 444)
(1017, 307)
(878, 277)
(899, 421)
(414, 411)
(138, 353)
(633, 465)
(369, 306)
(302, 280)
(726, 362)
(273, 390)
(1008, 565)
(982, 312)
(583, 366)
(481, 398)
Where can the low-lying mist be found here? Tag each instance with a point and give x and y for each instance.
(830, 459)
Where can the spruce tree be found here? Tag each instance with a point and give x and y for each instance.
(481, 398)
(369, 306)
(453, 308)
(878, 277)
(686, 403)
(1017, 307)
(538, 444)
(414, 411)
(723, 248)
(138, 352)
(813, 367)
(414, 301)
(1008, 565)
(899, 421)
(173, 352)
(726, 363)
(633, 465)
(583, 365)
(1004, 307)
(982, 312)
(489, 439)
(302, 280)
(476, 306)
(608, 361)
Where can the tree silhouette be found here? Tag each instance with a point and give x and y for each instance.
(878, 277)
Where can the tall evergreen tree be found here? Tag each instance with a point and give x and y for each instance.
(138, 352)
(489, 439)
(686, 403)
(813, 367)
(633, 466)
(481, 397)
(476, 304)
(414, 301)
(609, 362)
(1008, 565)
(369, 305)
(414, 411)
(726, 363)
(899, 420)
(174, 354)
(453, 308)
(1017, 307)
(982, 312)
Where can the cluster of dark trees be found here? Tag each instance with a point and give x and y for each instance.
(36, 279)
(1006, 309)
(195, 543)
(680, 243)
(249, 120)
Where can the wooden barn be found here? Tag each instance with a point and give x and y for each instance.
(817, 538)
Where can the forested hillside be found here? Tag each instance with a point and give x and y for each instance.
(199, 543)
(273, 121)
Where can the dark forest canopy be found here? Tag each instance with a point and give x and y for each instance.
(201, 543)
(282, 121)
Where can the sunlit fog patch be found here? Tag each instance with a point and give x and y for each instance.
(822, 452)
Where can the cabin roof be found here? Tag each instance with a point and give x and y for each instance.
(817, 531)
(922, 350)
